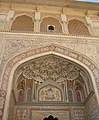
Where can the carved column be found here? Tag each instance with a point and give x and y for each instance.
(90, 25)
(10, 16)
(37, 22)
(74, 94)
(85, 92)
(65, 95)
(33, 91)
(65, 92)
(64, 24)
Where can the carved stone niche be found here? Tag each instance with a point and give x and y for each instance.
(42, 75)
(50, 93)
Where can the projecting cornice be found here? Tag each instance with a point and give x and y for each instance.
(73, 7)
(57, 3)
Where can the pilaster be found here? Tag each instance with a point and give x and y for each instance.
(64, 24)
(90, 25)
(37, 22)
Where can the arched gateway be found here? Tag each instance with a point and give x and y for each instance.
(48, 80)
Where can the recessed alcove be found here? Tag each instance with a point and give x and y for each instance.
(53, 77)
(51, 80)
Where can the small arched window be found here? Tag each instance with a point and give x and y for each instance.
(51, 28)
(50, 24)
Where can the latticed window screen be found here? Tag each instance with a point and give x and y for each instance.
(77, 27)
(23, 23)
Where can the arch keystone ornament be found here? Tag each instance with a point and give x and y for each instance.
(12, 64)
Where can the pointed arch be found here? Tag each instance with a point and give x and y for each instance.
(45, 50)
(50, 86)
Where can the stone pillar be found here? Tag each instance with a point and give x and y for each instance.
(2, 21)
(65, 92)
(64, 24)
(65, 95)
(37, 22)
(33, 91)
(90, 25)
(10, 16)
(85, 92)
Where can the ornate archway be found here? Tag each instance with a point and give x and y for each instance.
(34, 53)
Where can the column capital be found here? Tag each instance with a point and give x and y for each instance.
(37, 20)
(63, 18)
(89, 21)
(37, 15)
(10, 15)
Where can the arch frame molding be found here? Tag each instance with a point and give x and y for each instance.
(12, 64)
